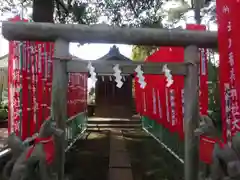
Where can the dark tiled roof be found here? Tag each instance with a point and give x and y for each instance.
(114, 54)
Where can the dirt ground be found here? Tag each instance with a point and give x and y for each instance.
(149, 160)
(89, 158)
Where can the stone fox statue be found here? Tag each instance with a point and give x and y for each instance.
(226, 159)
(207, 127)
(17, 147)
(36, 161)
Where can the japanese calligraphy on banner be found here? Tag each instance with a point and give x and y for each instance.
(137, 96)
(13, 95)
(26, 89)
(173, 93)
(77, 93)
(16, 76)
(166, 104)
(163, 100)
(148, 94)
(141, 98)
(228, 45)
(30, 86)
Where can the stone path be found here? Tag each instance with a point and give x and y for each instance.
(119, 162)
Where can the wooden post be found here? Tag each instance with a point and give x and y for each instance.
(191, 114)
(59, 102)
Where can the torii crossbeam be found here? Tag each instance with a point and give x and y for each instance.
(107, 34)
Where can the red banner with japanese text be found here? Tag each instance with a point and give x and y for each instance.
(172, 98)
(167, 97)
(228, 50)
(30, 86)
(17, 86)
(38, 83)
(141, 98)
(29, 92)
(77, 93)
(236, 44)
(84, 92)
(43, 82)
(154, 106)
(13, 95)
(26, 90)
(34, 88)
(137, 92)
(148, 94)
(69, 95)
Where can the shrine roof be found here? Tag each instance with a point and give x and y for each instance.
(113, 54)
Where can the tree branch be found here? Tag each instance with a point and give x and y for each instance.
(133, 9)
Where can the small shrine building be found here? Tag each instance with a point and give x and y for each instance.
(111, 101)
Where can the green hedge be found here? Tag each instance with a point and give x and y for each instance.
(76, 125)
(171, 140)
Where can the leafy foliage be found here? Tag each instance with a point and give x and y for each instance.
(139, 53)
(118, 12)
(210, 11)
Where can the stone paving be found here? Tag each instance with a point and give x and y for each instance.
(119, 162)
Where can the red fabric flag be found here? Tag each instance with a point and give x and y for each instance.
(206, 147)
(17, 83)
(228, 50)
(236, 43)
(41, 60)
(170, 94)
(137, 96)
(148, 94)
(85, 91)
(153, 96)
(141, 98)
(77, 94)
(26, 91)
(175, 54)
(69, 96)
(166, 98)
(48, 84)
